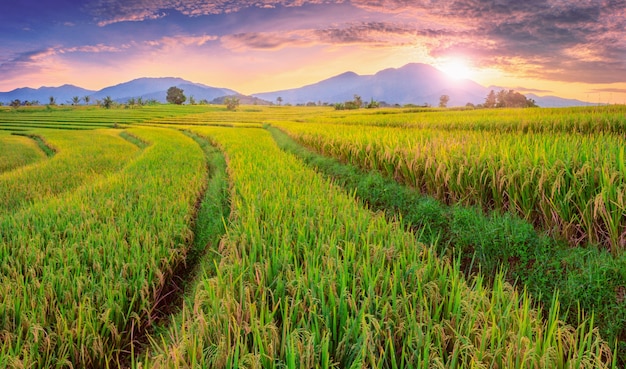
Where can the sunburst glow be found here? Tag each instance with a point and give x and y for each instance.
(457, 69)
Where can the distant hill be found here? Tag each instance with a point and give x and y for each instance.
(62, 94)
(411, 84)
(156, 88)
(556, 102)
(243, 100)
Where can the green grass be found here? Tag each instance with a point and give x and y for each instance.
(569, 184)
(18, 151)
(491, 242)
(41, 143)
(97, 257)
(98, 239)
(81, 157)
(307, 277)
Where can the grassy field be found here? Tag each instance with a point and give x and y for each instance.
(189, 236)
(17, 151)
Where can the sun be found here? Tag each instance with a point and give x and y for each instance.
(456, 69)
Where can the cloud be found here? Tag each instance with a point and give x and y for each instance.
(168, 42)
(267, 40)
(611, 90)
(99, 48)
(373, 34)
(26, 63)
(533, 90)
(555, 39)
(139, 16)
(370, 33)
(113, 11)
(582, 40)
(40, 61)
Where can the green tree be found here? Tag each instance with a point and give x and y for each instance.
(175, 96)
(192, 100)
(279, 100)
(490, 101)
(75, 100)
(231, 103)
(16, 103)
(86, 99)
(53, 101)
(373, 104)
(107, 102)
(513, 99)
(443, 101)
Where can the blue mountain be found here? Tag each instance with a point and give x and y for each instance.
(156, 88)
(411, 84)
(62, 94)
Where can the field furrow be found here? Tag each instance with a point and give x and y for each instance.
(17, 152)
(81, 157)
(307, 277)
(491, 243)
(78, 272)
(569, 184)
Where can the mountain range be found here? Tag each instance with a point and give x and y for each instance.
(411, 84)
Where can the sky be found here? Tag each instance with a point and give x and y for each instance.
(572, 49)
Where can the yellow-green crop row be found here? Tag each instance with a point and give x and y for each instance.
(82, 156)
(89, 117)
(80, 272)
(17, 151)
(568, 183)
(244, 117)
(591, 120)
(308, 278)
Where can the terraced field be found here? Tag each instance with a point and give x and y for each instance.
(198, 237)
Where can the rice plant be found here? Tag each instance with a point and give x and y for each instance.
(17, 151)
(306, 277)
(570, 184)
(81, 272)
(81, 157)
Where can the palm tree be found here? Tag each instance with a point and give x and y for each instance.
(53, 101)
(107, 102)
(75, 100)
(87, 99)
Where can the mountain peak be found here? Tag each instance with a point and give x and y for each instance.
(414, 83)
(345, 75)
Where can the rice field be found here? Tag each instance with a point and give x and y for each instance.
(307, 277)
(568, 183)
(299, 273)
(17, 151)
(81, 157)
(80, 270)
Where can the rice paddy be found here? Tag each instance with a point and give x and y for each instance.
(300, 273)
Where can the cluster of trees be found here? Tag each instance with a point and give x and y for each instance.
(232, 103)
(505, 99)
(357, 103)
(17, 103)
(508, 99)
(501, 99)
